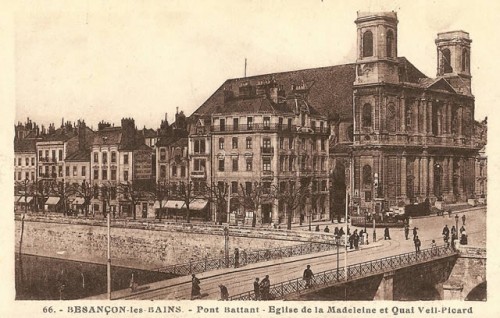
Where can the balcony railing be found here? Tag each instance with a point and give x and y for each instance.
(253, 127)
(267, 150)
(198, 174)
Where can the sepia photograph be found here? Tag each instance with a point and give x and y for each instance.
(328, 154)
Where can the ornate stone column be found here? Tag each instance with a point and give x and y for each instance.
(425, 163)
(431, 176)
(402, 108)
(403, 175)
(424, 121)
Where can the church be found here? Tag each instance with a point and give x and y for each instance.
(396, 136)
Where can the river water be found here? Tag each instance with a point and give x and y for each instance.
(46, 278)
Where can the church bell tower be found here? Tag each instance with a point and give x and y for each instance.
(377, 39)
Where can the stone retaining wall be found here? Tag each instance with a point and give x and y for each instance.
(147, 245)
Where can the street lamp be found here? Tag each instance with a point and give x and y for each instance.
(375, 195)
(366, 216)
(226, 245)
(337, 242)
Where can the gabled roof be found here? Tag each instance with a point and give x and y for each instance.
(167, 141)
(107, 136)
(330, 90)
(25, 145)
(60, 135)
(79, 156)
(439, 83)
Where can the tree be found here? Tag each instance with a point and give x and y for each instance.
(63, 190)
(130, 194)
(217, 194)
(84, 191)
(43, 191)
(160, 194)
(185, 192)
(252, 195)
(292, 197)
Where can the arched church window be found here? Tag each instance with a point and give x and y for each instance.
(389, 42)
(465, 60)
(447, 61)
(367, 44)
(367, 115)
(391, 117)
(367, 176)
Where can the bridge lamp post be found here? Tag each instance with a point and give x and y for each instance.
(456, 223)
(337, 242)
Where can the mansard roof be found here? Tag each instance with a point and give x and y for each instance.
(25, 145)
(329, 91)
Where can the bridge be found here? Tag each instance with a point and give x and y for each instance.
(387, 266)
(440, 272)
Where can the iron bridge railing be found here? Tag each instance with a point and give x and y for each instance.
(245, 258)
(355, 271)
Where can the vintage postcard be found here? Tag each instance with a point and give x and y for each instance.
(260, 158)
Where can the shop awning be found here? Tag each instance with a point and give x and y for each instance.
(52, 200)
(174, 204)
(78, 201)
(25, 199)
(198, 204)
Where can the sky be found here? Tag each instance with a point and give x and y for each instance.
(105, 60)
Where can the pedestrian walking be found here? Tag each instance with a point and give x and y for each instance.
(195, 287)
(336, 231)
(327, 230)
(355, 239)
(256, 288)
(407, 231)
(351, 241)
(462, 230)
(308, 276)
(265, 285)
(236, 258)
(341, 232)
(446, 234)
(415, 233)
(224, 294)
(453, 230)
(317, 228)
(463, 219)
(387, 236)
(417, 244)
(463, 239)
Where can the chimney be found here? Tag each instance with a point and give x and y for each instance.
(82, 142)
(273, 91)
(128, 131)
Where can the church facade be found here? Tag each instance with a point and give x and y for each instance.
(413, 135)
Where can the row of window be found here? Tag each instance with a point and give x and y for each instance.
(112, 176)
(289, 162)
(266, 123)
(19, 162)
(45, 158)
(105, 157)
(174, 169)
(19, 176)
(74, 171)
(266, 164)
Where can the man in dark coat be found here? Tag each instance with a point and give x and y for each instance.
(195, 287)
(446, 233)
(417, 244)
(236, 258)
(265, 285)
(308, 276)
(463, 219)
(407, 231)
(256, 288)
(386, 234)
(415, 233)
(327, 230)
